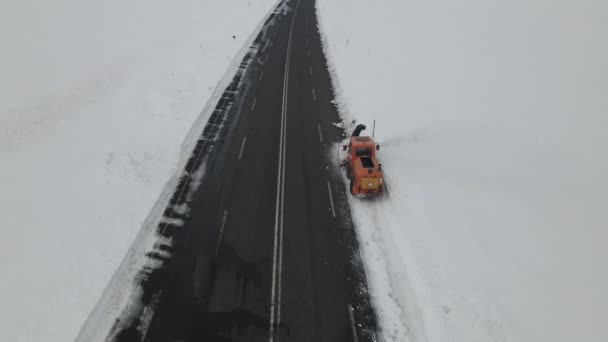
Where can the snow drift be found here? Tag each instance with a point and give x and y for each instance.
(95, 102)
(492, 120)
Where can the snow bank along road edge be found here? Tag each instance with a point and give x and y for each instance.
(122, 295)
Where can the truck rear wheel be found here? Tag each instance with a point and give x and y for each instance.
(352, 187)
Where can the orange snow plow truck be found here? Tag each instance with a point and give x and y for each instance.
(362, 167)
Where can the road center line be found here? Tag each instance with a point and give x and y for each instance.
(275, 294)
(219, 239)
(310, 70)
(242, 147)
(314, 95)
(320, 133)
(352, 322)
(262, 75)
(253, 104)
(331, 201)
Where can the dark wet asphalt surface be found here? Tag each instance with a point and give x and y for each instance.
(215, 281)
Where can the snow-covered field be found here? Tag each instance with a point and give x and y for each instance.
(96, 99)
(492, 116)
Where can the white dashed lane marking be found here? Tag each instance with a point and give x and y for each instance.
(320, 133)
(331, 201)
(242, 147)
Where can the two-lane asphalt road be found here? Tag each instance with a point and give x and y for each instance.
(268, 251)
